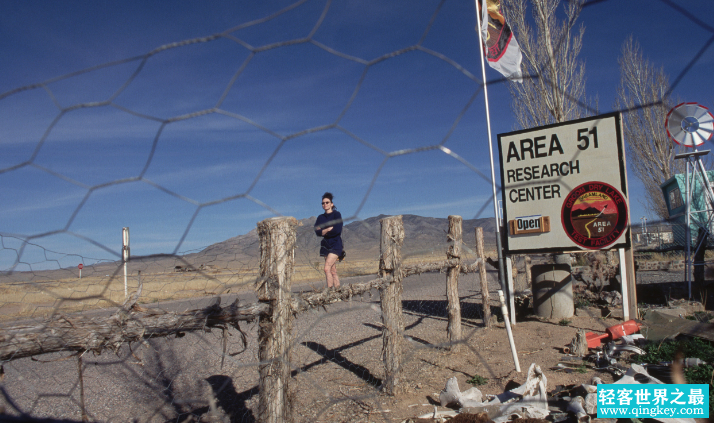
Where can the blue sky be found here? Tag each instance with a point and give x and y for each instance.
(199, 142)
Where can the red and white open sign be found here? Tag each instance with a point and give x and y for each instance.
(81, 266)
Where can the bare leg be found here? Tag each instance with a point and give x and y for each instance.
(335, 279)
(331, 271)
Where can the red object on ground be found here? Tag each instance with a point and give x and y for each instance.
(595, 340)
(627, 328)
(613, 332)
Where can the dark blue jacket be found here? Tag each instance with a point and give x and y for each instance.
(331, 241)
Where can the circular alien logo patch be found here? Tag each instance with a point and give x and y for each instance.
(594, 215)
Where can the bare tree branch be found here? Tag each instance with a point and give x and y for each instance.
(554, 90)
(642, 97)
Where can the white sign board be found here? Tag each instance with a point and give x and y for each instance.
(572, 174)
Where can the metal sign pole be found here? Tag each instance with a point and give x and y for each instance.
(499, 247)
(688, 231)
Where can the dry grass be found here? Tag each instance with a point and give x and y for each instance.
(675, 255)
(41, 299)
(67, 295)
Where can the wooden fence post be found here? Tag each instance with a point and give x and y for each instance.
(277, 258)
(390, 263)
(454, 238)
(484, 281)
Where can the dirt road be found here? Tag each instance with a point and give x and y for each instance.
(336, 364)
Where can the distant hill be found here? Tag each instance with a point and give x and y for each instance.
(361, 238)
(423, 235)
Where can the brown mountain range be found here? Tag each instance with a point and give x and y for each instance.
(423, 236)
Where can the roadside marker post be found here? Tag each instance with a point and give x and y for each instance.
(125, 256)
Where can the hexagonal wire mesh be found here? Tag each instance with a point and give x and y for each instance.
(336, 364)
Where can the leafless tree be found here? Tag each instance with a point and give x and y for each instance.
(553, 89)
(643, 98)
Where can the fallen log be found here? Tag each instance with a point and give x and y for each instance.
(81, 333)
(132, 323)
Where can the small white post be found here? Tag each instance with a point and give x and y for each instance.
(509, 281)
(623, 285)
(125, 255)
(504, 310)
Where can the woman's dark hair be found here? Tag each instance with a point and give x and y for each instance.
(328, 195)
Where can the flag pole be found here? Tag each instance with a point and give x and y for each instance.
(501, 266)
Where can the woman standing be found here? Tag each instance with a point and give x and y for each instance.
(329, 226)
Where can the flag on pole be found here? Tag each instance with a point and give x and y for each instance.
(502, 50)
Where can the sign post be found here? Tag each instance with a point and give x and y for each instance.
(80, 267)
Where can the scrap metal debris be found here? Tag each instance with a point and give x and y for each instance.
(606, 348)
(638, 375)
(528, 401)
(665, 323)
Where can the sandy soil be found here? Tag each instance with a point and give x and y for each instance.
(429, 362)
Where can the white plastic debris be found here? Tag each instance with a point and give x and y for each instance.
(529, 400)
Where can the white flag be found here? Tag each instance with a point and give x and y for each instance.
(502, 50)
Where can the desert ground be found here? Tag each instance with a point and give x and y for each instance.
(337, 368)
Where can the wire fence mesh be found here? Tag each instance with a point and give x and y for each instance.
(196, 375)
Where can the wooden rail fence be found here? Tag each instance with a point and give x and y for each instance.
(275, 310)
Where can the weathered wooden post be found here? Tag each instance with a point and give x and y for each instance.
(390, 263)
(277, 258)
(454, 237)
(484, 281)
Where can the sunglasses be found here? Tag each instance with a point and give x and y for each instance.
(325, 202)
